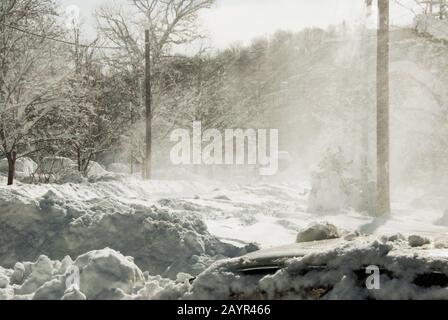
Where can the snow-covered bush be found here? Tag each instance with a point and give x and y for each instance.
(333, 188)
(62, 170)
(318, 231)
(56, 165)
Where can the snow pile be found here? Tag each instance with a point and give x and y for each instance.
(102, 274)
(162, 241)
(342, 274)
(318, 231)
(426, 24)
(333, 189)
(97, 275)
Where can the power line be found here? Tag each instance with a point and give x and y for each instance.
(57, 40)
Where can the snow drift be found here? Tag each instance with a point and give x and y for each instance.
(58, 223)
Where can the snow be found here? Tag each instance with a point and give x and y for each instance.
(431, 25)
(338, 280)
(24, 167)
(162, 233)
(101, 273)
(121, 273)
(95, 169)
(52, 165)
(75, 219)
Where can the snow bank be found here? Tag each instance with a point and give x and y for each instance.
(402, 274)
(74, 219)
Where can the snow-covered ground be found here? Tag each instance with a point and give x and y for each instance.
(160, 230)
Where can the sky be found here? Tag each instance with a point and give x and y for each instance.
(239, 21)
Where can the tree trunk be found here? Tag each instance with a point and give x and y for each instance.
(11, 157)
(78, 158)
(383, 188)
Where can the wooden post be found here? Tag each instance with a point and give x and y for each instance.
(148, 100)
(383, 187)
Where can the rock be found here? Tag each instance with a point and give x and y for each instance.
(418, 241)
(318, 231)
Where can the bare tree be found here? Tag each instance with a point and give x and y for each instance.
(27, 91)
(168, 23)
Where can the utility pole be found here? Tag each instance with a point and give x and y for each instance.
(383, 179)
(148, 100)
